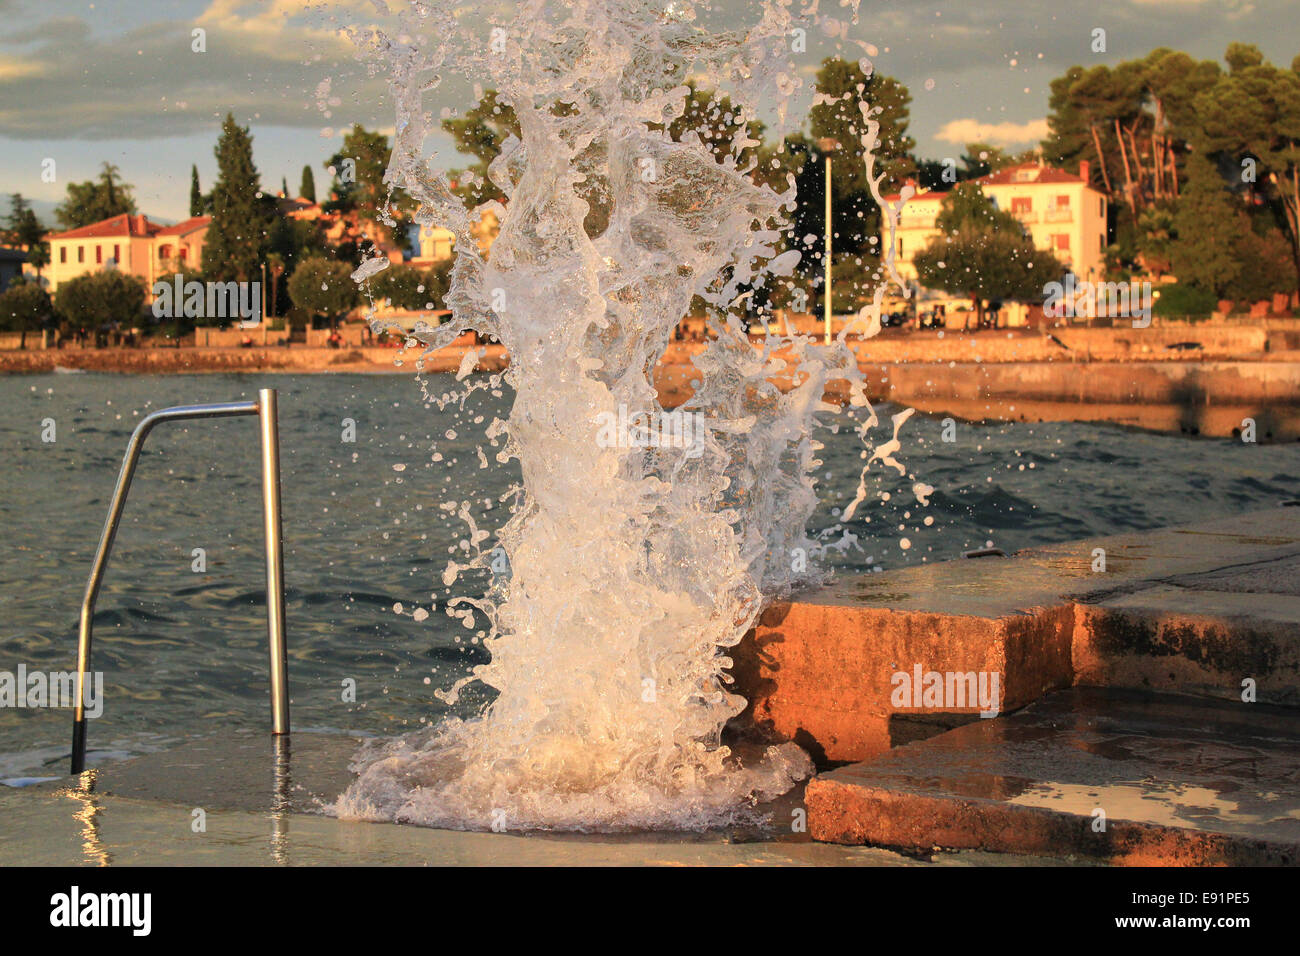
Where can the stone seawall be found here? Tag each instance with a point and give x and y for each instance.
(1122, 376)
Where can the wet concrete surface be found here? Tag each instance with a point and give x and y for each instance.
(1194, 610)
(261, 800)
(1118, 775)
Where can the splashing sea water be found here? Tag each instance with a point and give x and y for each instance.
(634, 564)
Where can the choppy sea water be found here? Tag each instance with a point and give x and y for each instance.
(184, 652)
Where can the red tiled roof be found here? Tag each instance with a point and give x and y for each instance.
(1046, 174)
(188, 226)
(123, 225)
(1003, 177)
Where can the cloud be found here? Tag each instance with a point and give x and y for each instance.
(262, 61)
(963, 131)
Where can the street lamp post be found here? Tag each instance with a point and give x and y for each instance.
(828, 145)
(826, 308)
(265, 321)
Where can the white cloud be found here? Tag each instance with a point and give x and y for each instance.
(963, 131)
(63, 80)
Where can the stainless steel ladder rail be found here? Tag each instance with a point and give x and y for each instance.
(266, 408)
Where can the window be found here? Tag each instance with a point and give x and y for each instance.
(1061, 241)
(117, 253)
(1101, 243)
(1062, 202)
(900, 248)
(1101, 207)
(63, 254)
(81, 253)
(99, 254)
(1021, 204)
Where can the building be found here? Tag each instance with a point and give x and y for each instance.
(435, 243)
(131, 243)
(1060, 210)
(12, 263)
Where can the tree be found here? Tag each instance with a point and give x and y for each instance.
(97, 298)
(983, 253)
(1155, 238)
(196, 194)
(358, 170)
(323, 287)
(401, 285)
(480, 133)
(39, 257)
(839, 119)
(240, 218)
(25, 307)
(307, 189)
(716, 120)
(1173, 80)
(980, 159)
(1251, 118)
(291, 242)
(275, 267)
(836, 127)
(360, 192)
(967, 205)
(1210, 227)
(96, 200)
(1265, 258)
(27, 232)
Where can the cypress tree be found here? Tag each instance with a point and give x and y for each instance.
(308, 188)
(239, 216)
(196, 194)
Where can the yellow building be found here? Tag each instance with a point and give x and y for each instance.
(436, 243)
(1060, 210)
(130, 243)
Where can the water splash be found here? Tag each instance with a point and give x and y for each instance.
(634, 565)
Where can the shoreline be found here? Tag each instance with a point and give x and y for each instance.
(1079, 375)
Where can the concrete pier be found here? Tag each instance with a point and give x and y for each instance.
(1190, 626)
(1191, 610)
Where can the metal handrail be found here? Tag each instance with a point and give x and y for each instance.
(266, 408)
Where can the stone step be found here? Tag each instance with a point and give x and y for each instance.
(1179, 780)
(1211, 609)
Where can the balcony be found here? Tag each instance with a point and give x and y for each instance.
(1028, 217)
(1059, 215)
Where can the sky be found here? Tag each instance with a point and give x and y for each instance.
(120, 80)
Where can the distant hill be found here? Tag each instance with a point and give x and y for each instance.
(44, 209)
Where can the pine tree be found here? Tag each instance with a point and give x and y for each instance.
(196, 194)
(239, 216)
(96, 200)
(1211, 228)
(308, 188)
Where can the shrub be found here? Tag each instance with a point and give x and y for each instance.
(323, 287)
(100, 298)
(1178, 300)
(25, 307)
